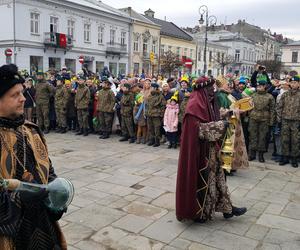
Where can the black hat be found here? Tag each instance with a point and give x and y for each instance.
(59, 78)
(9, 77)
(155, 85)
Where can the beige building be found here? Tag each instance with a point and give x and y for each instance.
(145, 44)
(174, 39)
(291, 57)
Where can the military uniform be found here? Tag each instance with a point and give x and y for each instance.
(82, 99)
(155, 108)
(61, 100)
(105, 108)
(288, 114)
(261, 118)
(127, 125)
(44, 91)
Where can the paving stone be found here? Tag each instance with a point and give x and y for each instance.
(180, 243)
(108, 235)
(124, 179)
(170, 227)
(274, 208)
(269, 246)
(166, 201)
(170, 248)
(145, 210)
(292, 210)
(291, 187)
(238, 225)
(131, 197)
(132, 223)
(278, 236)
(269, 195)
(81, 202)
(196, 232)
(257, 232)
(197, 246)
(95, 216)
(150, 192)
(275, 221)
(108, 200)
(293, 245)
(76, 232)
(90, 245)
(223, 240)
(162, 182)
(119, 204)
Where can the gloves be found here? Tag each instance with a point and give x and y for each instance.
(56, 215)
(32, 197)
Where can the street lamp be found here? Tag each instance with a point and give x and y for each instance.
(209, 20)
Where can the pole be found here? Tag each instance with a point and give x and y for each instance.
(14, 32)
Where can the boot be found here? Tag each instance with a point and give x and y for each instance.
(46, 131)
(284, 160)
(175, 145)
(86, 132)
(170, 145)
(143, 141)
(138, 140)
(157, 143)
(58, 130)
(105, 135)
(235, 212)
(124, 138)
(80, 132)
(163, 139)
(294, 162)
(252, 155)
(77, 130)
(100, 133)
(151, 142)
(261, 157)
(132, 140)
(63, 130)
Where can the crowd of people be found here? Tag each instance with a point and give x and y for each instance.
(150, 110)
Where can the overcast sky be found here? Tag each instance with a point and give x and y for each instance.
(281, 16)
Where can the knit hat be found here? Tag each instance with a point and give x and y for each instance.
(295, 78)
(262, 80)
(81, 77)
(40, 73)
(155, 85)
(9, 77)
(242, 80)
(127, 86)
(59, 78)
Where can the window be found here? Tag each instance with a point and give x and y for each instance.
(178, 51)
(169, 48)
(294, 57)
(54, 24)
(185, 52)
(54, 63)
(136, 44)
(162, 49)
(100, 34)
(123, 37)
(87, 33)
(199, 55)
(218, 57)
(191, 53)
(36, 64)
(99, 66)
(71, 64)
(71, 28)
(34, 23)
(136, 68)
(112, 37)
(145, 45)
(154, 44)
(122, 68)
(113, 68)
(210, 56)
(237, 55)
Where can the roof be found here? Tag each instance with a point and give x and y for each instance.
(98, 5)
(170, 29)
(137, 16)
(296, 43)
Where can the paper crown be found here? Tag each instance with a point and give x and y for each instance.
(185, 79)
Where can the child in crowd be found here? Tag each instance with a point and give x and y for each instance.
(140, 119)
(171, 121)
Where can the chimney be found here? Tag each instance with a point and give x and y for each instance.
(149, 13)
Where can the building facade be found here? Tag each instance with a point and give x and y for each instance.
(291, 57)
(145, 44)
(173, 38)
(47, 35)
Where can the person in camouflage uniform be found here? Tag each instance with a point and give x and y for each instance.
(61, 100)
(44, 91)
(262, 117)
(155, 109)
(105, 108)
(182, 109)
(82, 99)
(288, 115)
(127, 104)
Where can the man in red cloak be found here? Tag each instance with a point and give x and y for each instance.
(201, 188)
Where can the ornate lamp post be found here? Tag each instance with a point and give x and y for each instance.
(209, 20)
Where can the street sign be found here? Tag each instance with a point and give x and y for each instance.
(151, 57)
(81, 59)
(8, 52)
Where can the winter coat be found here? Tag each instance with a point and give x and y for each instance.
(82, 97)
(106, 100)
(171, 118)
(155, 105)
(127, 104)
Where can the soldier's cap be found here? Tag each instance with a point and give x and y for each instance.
(40, 73)
(81, 77)
(127, 85)
(9, 77)
(59, 78)
(104, 79)
(295, 79)
(261, 82)
(155, 85)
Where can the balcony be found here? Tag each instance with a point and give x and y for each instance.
(56, 40)
(116, 48)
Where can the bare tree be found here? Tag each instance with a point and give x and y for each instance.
(272, 66)
(169, 62)
(222, 61)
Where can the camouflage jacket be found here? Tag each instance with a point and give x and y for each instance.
(61, 97)
(288, 107)
(127, 104)
(44, 91)
(82, 97)
(106, 101)
(155, 105)
(264, 108)
(182, 108)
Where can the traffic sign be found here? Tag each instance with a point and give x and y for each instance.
(81, 59)
(8, 52)
(151, 56)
